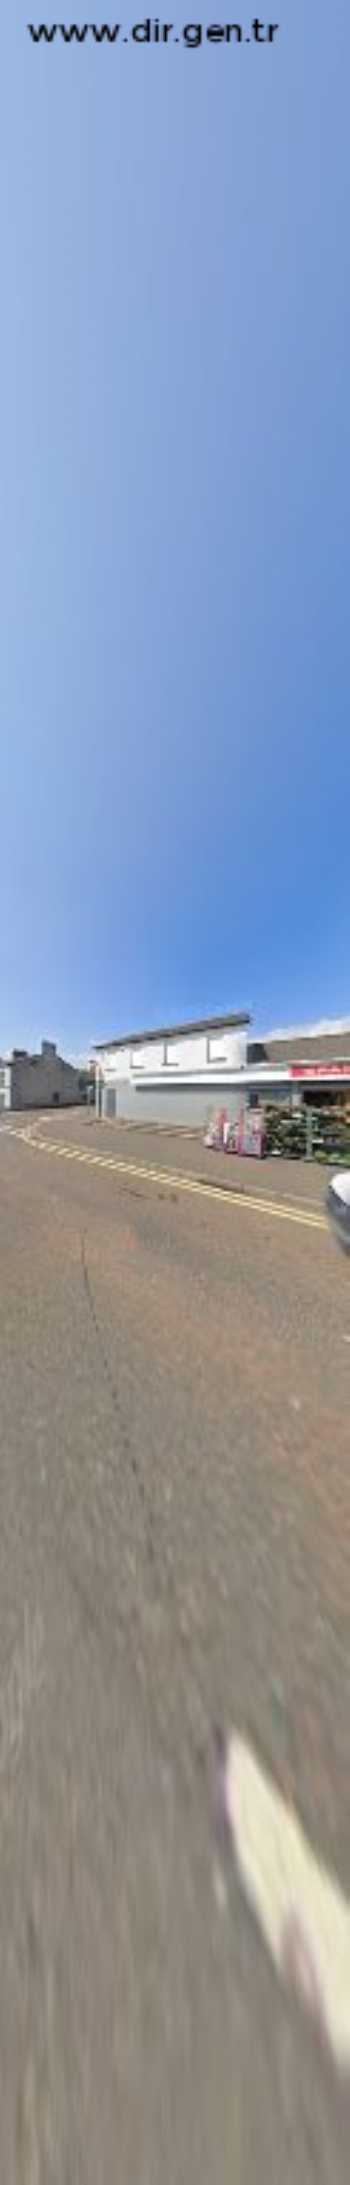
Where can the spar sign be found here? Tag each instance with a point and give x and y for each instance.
(310, 1070)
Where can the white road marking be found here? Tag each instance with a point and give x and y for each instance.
(303, 1914)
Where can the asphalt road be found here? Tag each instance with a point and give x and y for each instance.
(174, 1562)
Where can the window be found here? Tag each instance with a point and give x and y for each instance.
(217, 1050)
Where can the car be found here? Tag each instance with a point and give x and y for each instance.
(338, 1207)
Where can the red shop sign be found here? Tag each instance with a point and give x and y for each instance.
(320, 1069)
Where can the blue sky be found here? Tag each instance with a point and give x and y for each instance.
(174, 659)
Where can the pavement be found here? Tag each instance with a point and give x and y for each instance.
(174, 1664)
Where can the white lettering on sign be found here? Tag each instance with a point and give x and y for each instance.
(320, 1069)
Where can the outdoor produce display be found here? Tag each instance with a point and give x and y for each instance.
(322, 1134)
(330, 1131)
(319, 1134)
(286, 1131)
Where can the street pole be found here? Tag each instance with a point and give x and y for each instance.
(309, 1133)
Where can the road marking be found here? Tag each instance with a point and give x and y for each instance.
(303, 1914)
(177, 1182)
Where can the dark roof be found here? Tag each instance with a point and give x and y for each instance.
(21, 1054)
(306, 1047)
(309, 1047)
(176, 1031)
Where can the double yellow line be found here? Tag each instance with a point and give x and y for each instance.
(144, 1172)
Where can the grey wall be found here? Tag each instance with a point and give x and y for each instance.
(188, 1105)
(36, 1082)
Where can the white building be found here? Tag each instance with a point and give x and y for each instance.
(5, 1083)
(175, 1074)
(183, 1072)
